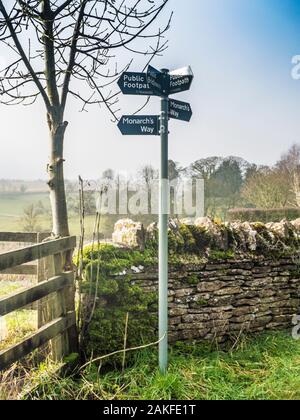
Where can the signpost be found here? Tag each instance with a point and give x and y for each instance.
(159, 83)
(163, 232)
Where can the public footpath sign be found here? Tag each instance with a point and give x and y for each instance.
(167, 84)
(159, 83)
(180, 110)
(135, 84)
(181, 80)
(139, 125)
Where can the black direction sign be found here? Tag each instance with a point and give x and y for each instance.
(181, 80)
(139, 125)
(132, 83)
(158, 81)
(180, 110)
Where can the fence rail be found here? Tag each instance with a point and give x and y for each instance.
(56, 318)
(35, 252)
(23, 238)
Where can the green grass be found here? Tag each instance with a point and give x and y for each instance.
(13, 204)
(11, 284)
(261, 368)
(19, 325)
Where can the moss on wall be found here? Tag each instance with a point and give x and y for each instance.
(116, 296)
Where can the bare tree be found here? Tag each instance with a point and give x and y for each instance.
(108, 175)
(59, 48)
(205, 168)
(267, 188)
(289, 166)
(148, 175)
(30, 219)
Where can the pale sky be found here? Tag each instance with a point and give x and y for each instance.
(244, 99)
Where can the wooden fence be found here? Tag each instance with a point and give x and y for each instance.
(56, 315)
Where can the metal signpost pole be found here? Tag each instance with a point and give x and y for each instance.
(159, 83)
(163, 233)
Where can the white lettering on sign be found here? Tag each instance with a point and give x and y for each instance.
(135, 82)
(155, 83)
(179, 81)
(174, 113)
(138, 121)
(180, 110)
(147, 129)
(180, 106)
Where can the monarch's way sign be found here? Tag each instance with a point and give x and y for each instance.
(180, 110)
(139, 125)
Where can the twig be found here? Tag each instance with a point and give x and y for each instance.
(125, 341)
(98, 359)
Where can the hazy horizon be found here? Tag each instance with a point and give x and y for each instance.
(244, 99)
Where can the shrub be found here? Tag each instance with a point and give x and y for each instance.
(263, 215)
(116, 296)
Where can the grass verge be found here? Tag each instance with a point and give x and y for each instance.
(261, 368)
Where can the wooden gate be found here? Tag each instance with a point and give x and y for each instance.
(56, 316)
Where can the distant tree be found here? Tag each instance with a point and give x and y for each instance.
(251, 171)
(5, 185)
(89, 202)
(147, 174)
(175, 170)
(289, 167)
(23, 189)
(71, 187)
(30, 219)
(226, 184)
(107, 180)
(267, 188)
(223, 178)
(175, 174)
(108, 175)
(228, 179)
(205, 168)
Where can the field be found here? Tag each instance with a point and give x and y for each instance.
(12, 206)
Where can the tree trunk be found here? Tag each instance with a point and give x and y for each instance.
(56, 180)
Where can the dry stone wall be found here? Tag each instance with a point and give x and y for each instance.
(223, 299)
(254, 288)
